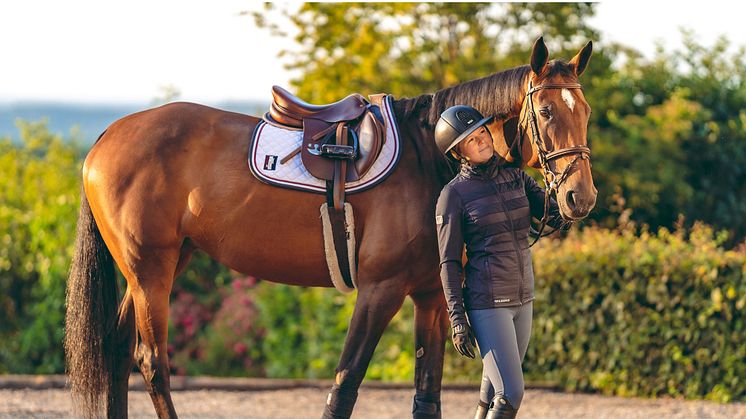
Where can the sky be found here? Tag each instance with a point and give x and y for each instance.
(128, 51)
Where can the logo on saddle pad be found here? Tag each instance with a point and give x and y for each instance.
(270, 162)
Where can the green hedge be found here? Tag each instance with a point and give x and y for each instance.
(618, 312)
(648, 314)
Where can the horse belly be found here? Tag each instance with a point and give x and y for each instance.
(271, 233)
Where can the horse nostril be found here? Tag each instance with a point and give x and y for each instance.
(570, 199)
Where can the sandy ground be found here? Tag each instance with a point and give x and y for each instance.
(372, 403)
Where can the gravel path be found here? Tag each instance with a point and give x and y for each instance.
(372, 403)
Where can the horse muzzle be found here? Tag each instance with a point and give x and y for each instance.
(576, 205)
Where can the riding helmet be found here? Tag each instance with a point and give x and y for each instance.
(455, 124)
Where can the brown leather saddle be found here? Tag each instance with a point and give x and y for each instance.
(341, 140)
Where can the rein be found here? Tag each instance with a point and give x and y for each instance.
(551, 179)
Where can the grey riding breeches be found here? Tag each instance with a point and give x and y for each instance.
(502, 335)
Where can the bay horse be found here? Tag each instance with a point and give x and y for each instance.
(161, 183)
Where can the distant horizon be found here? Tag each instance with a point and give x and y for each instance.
(124, 102)
(91, 118)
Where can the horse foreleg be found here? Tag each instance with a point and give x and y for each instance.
(431, 331)
(116, 400)
(375, 306)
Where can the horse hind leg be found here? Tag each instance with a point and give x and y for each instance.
(151, 297)
(124, 343)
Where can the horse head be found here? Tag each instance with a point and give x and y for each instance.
(554, 117)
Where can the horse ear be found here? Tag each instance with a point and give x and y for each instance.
(580, 61)
(539, 56)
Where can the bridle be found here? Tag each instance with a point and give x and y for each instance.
(551, 179)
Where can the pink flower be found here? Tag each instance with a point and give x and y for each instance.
(237, 285)
(240, 348)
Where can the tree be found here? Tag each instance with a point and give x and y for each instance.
(670, 138)
(408, 49)
(651, 116)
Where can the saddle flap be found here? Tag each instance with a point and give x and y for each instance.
(319, 166)
(371, 135)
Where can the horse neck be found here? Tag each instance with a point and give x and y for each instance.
(502, 95)
(511, 130)
(418, 116)
(511, 136)
(420, 151)
(499, 94)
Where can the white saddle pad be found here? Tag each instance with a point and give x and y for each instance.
(271, 143)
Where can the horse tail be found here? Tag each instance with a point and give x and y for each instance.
(90, 321)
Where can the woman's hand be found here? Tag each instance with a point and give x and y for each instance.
(463, 339)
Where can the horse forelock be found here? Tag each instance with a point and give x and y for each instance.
(558, 68)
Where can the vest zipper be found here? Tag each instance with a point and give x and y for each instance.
(515, 241)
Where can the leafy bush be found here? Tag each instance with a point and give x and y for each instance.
(226, 344)
(196, 299)
(38, 208)
(305, 330)
(649, 314)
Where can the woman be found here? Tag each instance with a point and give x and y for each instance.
(488, 207)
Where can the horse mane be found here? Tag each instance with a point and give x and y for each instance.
(495, 94)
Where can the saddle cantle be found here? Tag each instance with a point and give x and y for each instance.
(341, 140)
(289, 110)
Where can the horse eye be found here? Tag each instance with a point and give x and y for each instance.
(545, 113)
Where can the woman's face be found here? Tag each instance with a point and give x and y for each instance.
(477, 147)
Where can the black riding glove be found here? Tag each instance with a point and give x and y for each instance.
(463, 339)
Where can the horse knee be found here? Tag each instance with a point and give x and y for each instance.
(145, 361)
(154, 368)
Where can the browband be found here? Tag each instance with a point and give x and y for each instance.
(554, 86)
